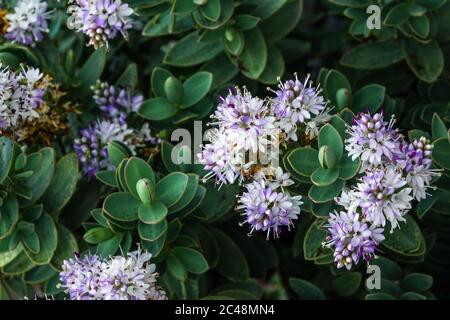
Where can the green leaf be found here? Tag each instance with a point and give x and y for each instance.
(154, 247)
(192, 260)
(347, 284)
(283, 21)
(322, 210)
(324, 177)
(173, 89)
(425, 205)
(9, 59)
(420, 26)
(91, 71)
(389, 269)
(42, 163)
(441, 153)
(48, 239)
(397, 15)
(189, 51)
(39, 274)
(121, 206)
(306, 290)
(209, 20)
(129, 78)
(234, 41)
(98, 235)
(117, 151)
(406, 239)
(157, 109)
(426, 60)
(211, 10)
(6, 156)
(31, 242)
(183, 6)
(109, 247)
(438, 127)
(369, 97)
(312, 245)
(63, 184)
(326, 193)
(352, 3)
(245, 22)
(9, 215)
(194, 204)
(171, 188)
(335, 81)
(67, 246)
(107, 177)
(373, 55)
(232, 263)
(135, 170)
(417, 282)
(196, 87)
(304, 160)
(176, 268)
(20, 264)
(152, 232)
(348, 168)
(254, 56)
(188, 195)
(379, 296)
(274, 68)
(266, 8)
(328, 136)
(222, 70)
(152, 213)
(8, 256)
(158, 79)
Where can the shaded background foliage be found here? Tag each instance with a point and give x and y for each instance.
(199, 248)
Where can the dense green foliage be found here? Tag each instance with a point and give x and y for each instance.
(185, 56)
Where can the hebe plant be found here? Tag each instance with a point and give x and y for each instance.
(182, 56)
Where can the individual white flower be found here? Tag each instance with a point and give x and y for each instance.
(348, 199)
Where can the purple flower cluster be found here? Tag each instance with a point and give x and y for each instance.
(100, 20)
(245, 145)
(297, 103)
(28, 22)
(373, 140)
(353, 238)
(116, 278)
(116, 103)
(91, 146)
(267, 207)
(394, 172)
(21, 93)
(416, 163)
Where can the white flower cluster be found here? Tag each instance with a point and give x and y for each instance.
(394, 173)
(20, 96)
(244, 145)
(28, 22)
(116, 278)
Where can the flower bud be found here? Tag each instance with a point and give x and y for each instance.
(327, 157)
(145, 190)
